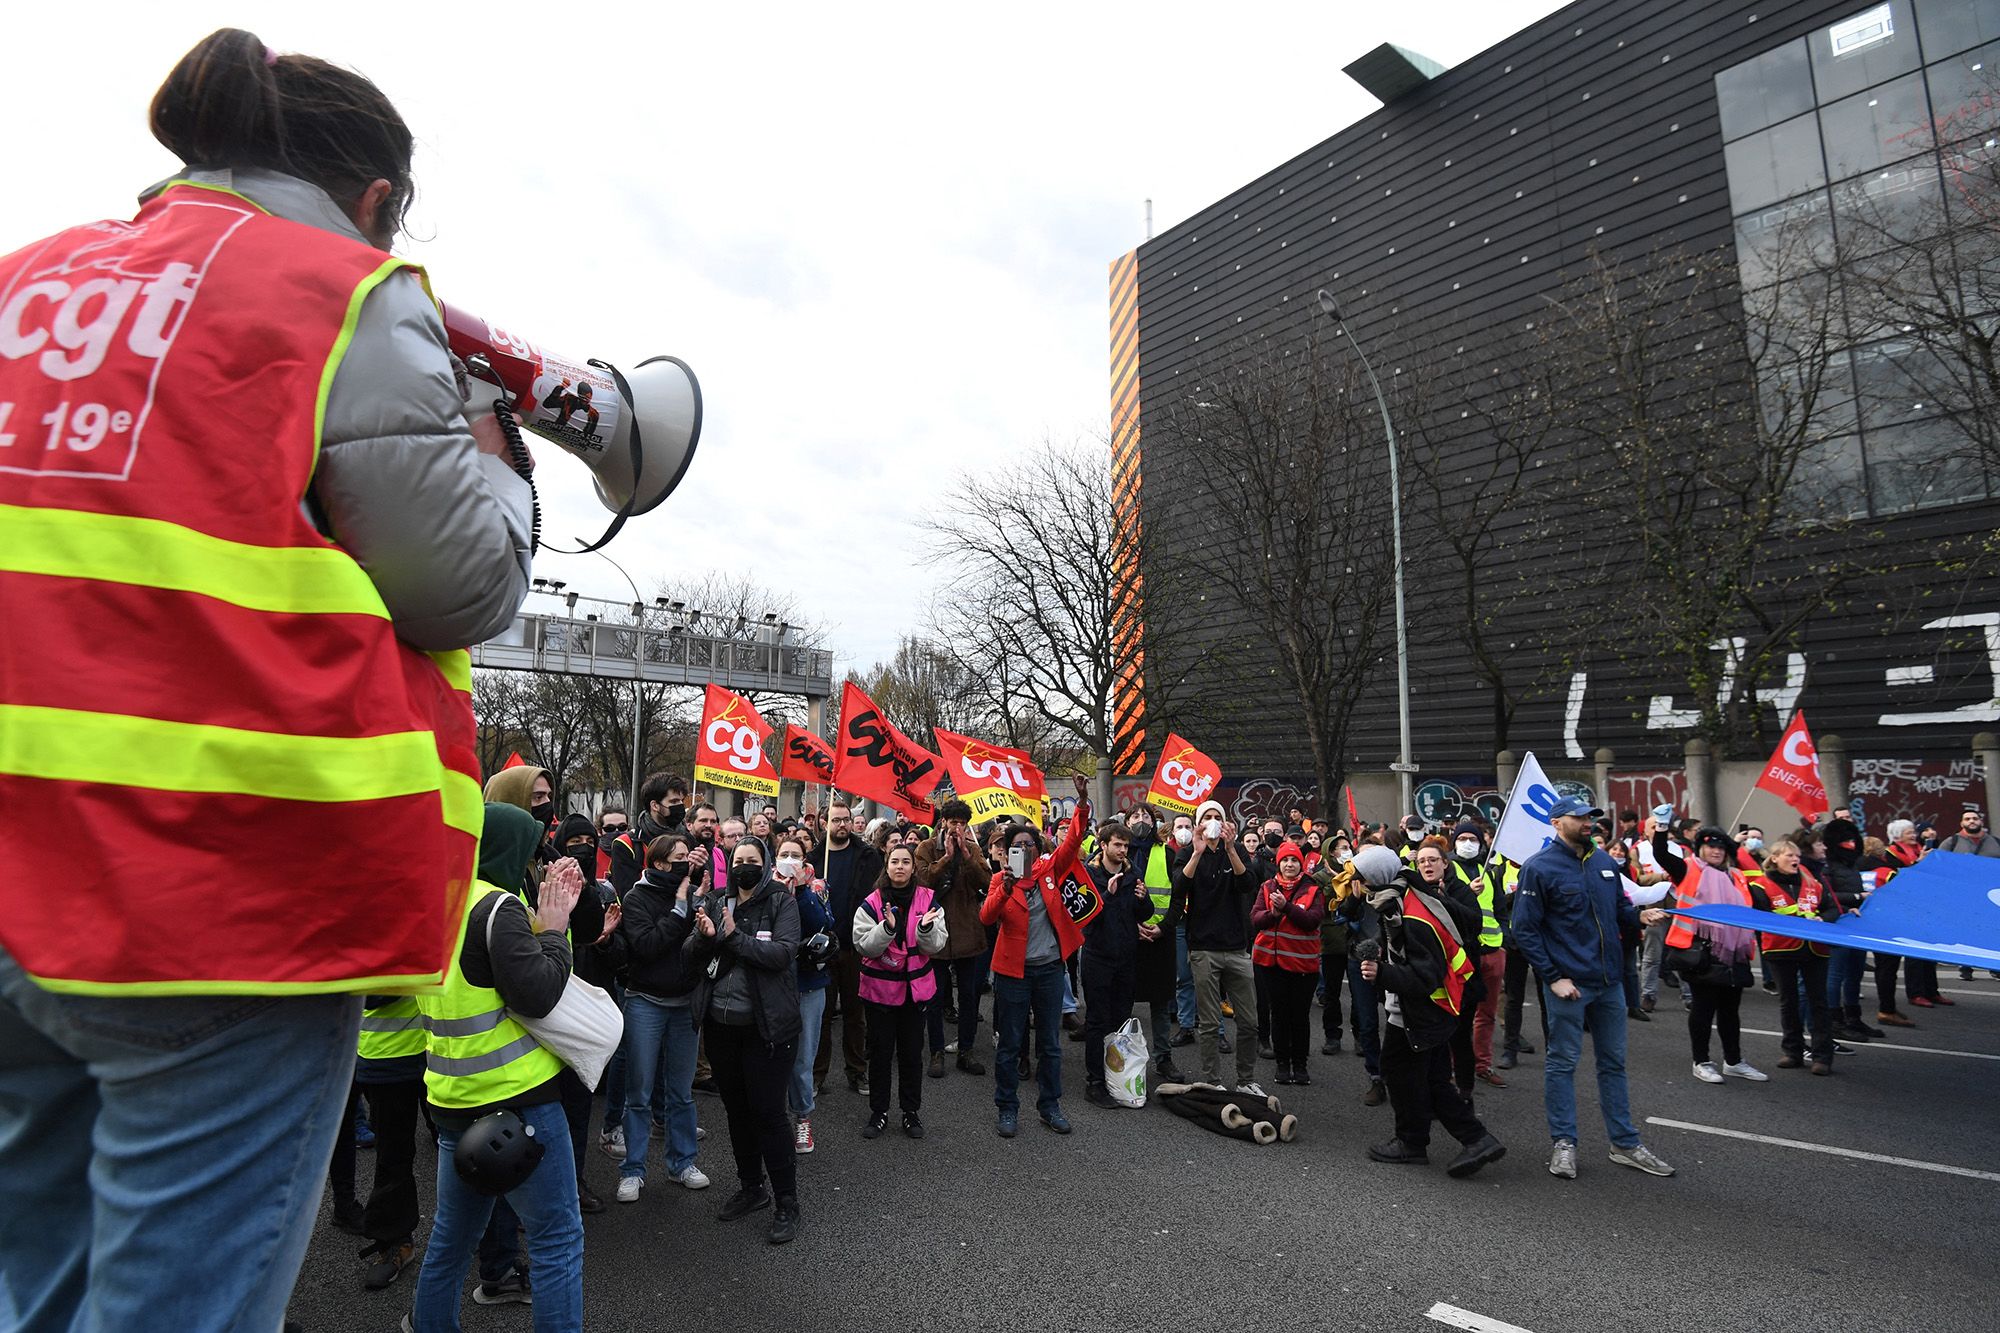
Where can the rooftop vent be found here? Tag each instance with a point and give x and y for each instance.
(1390, 72)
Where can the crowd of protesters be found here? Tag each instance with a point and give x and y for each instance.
(737, 945)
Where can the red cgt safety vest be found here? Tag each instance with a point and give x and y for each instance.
(190, 674)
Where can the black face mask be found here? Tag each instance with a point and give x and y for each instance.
(586, 856)
(675, 813)
(745, 877)
(672, 876)
(543, 812)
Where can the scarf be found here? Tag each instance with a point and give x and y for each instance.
(1730, 944)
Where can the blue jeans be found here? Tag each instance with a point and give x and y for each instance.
(143, 1139)
(546, 1201)
(1183, 981)
(812, 1010)
(658, 1036)
(1366, 1034)
(1603, 1008)
(1843, 983)
(1040, 990)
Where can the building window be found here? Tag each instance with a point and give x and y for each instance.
(1876, 127)
(1759, 93)
(1950, 26)
(1870, 47)
(1774, 164)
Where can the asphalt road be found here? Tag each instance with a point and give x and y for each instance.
(1141, 1220)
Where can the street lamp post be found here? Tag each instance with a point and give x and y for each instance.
(638, 660)
(1405, 768)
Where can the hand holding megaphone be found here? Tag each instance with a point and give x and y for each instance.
(636, 433)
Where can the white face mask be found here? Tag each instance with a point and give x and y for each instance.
(1345, 857)
(1183, 835)
(1212, 829)
(1467, 849)
(788, 866)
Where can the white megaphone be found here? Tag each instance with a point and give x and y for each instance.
(636, 432)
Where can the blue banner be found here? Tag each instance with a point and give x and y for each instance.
(1945, 907)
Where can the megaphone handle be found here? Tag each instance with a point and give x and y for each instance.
(518, 458)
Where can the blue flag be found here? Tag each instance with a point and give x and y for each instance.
(1946, 907)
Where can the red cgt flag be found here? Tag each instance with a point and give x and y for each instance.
(807, 757)
(1185, 778)
(729, 748)
(873, 759)
(1793, 772)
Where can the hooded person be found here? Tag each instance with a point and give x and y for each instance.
(1371, 869)
(514, 960)
(516, 786)
(1843, 876)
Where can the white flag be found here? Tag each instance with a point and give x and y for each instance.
(1525, 828)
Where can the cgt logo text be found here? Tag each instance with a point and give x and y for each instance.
(72, 324)
(1190, 784)
(737, 741)
(996, 771)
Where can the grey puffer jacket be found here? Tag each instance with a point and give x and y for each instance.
(442, 529)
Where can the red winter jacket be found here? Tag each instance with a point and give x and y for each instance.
(1006, 908)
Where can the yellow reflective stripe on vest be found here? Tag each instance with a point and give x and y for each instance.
(392, 1031)
(152, 553)
(68, 745)
(464, 803)
(1481, 885)
(457, 668)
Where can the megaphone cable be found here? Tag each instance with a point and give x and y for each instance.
(522, 463)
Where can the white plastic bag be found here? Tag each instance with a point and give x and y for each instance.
(1125, 1063)
(584, 1028)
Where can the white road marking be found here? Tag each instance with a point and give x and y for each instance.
(1454, 1317)
(1826, 1148)
(1879, 1045)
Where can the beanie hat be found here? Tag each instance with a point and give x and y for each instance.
(1467, 826)
(1201, 811)
(1291, 849)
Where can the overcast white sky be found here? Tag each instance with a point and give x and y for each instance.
(878, 232)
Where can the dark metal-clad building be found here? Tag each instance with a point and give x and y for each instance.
(1620, 127)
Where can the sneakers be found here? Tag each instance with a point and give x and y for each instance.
(1376, 1094)
(1505, 1060)
(744, 1202)
(1745, 1070)
(784, 1221)
(1398, 1153)
(802, 1137)
(1640, 1158)
(1706, 1071)
(913, 1124)
(629, 1187)
(1284, 1075)
(689, 1177)
(391, 1258)
(510, 1290)
(612, 1142)
(1562, 1159)
(1056, 1120)
(876, 1124)
(1252, 1088)
(1483, 1151)
(1300, 1076)
(1008, 1125)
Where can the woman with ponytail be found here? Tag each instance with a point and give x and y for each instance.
(262, 528)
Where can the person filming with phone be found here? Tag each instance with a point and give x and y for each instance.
(1034, 937)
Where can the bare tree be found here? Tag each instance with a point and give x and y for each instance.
(1031, 624)
(1282, 511)
(1699, 423)
(1476, 426)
